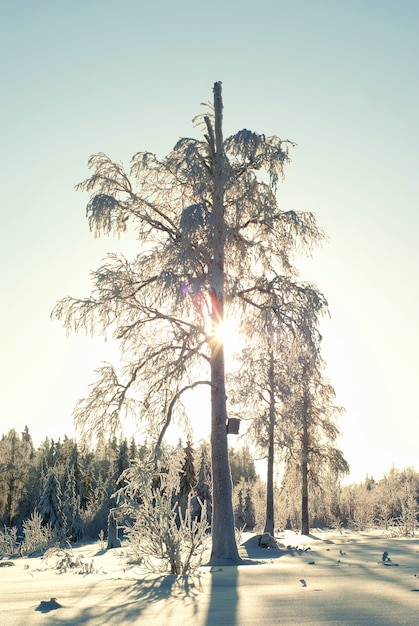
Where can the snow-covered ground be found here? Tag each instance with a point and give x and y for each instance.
(325, 578)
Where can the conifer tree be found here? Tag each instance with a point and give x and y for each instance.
(203, 489)
(50, 453)
(50, 505)
(71, 506)
(133, 450)
(188, 475)
(245, 514)
(249, 510)
(188, 479)
(88, 479)
(76, 464)
(26, 436)
(122, 461)
(239, 509)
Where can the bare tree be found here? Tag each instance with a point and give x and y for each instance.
(265, 382)
(210, 236)
(313, 429)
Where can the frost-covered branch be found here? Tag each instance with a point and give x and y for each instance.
(162, 537)
(170, 412)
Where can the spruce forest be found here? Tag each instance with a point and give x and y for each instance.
(62, 491)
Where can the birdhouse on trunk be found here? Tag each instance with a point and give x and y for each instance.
(233, 426)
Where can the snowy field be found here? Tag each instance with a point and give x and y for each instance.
(325, 578)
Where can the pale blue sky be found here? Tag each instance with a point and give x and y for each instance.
(338, 77)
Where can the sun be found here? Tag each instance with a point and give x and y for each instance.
(227, 334)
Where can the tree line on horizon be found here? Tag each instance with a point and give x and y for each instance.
(71, 489)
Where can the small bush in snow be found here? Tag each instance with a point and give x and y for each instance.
(8, 543)
(36, 537)
(64, 560)
(162, 537)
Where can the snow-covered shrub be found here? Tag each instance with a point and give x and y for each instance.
(8, 543)
(405, 524)
(37, 538)
(161, 537)
(64, 560)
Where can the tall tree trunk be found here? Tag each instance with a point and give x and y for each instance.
(305, 522)
(224, 547)
(269, 517)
